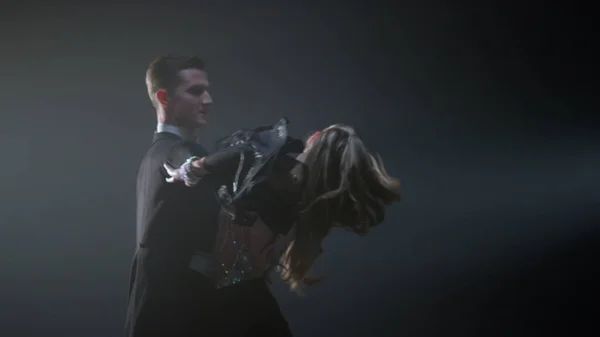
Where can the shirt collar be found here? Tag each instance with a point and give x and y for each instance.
(174, 129)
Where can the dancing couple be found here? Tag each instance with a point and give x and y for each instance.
(213, 226)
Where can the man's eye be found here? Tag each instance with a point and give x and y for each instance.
(197, 91)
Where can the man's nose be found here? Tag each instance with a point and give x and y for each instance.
(207, 98)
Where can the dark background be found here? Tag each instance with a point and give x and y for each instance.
(483, 110)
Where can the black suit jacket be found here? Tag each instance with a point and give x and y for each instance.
(173, 221)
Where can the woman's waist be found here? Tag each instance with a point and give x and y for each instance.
(244, 252)
(236, 261)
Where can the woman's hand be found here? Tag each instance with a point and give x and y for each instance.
(189, 172)
(174, 173)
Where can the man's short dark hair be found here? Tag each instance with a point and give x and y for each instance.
(163, 71)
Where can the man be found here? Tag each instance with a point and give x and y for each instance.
(175, 224)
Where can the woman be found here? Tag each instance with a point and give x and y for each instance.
(280, 198)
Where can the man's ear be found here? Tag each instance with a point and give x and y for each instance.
(162, 97)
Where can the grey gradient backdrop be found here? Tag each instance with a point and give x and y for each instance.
(480, 112)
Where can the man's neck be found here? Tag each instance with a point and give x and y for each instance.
(176, 130)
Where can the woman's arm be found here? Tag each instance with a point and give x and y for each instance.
(197, 167)
(223, 162)
(267, 142)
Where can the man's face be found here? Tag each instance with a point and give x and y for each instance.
(189, 101)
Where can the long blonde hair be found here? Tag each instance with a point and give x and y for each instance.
(346, 187)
